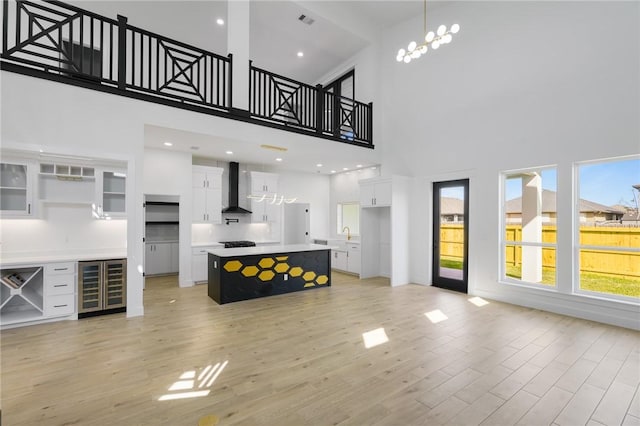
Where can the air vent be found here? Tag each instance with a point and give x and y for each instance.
(306, 19)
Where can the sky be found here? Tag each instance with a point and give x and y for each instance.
(608, 183)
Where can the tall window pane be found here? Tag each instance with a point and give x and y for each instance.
(348, 217)
(529, 226)
(608, 217)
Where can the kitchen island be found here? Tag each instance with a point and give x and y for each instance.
(250, 272)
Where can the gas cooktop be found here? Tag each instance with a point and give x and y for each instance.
(234, 244)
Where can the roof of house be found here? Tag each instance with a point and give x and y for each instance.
(449, 205)
(631, 216)
(549, 205)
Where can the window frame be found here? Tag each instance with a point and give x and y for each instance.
(339, 218)
(577, 247)
(503, 278)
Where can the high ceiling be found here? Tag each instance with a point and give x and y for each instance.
(340, 29)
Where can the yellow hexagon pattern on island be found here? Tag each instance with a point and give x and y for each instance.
(232, 266)
(322, 279)
(281, 268)
(309, 276)
(281, 258)
(250, 271)
(296, 271)
(266, 275)
(266, 262)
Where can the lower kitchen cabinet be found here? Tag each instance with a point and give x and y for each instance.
(199, 271)
(102, 286)
(347, 260)
(38, 292)
(161, 258)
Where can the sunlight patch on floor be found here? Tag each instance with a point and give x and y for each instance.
(374, 338)
(436, 316)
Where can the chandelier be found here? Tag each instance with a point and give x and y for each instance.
(435, 40)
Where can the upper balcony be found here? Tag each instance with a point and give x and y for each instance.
(64, 43)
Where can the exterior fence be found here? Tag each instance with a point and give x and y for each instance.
(607, 262)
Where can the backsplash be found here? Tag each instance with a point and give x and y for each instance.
(206, 233)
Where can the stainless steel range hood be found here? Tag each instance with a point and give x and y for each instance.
(233, 191)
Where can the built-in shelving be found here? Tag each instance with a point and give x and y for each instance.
(21, 294)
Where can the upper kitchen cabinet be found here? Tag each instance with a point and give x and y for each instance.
(264, 209)
(263, 183)
(16, 188)
(111, 187)
(207, 194)
(375, 192)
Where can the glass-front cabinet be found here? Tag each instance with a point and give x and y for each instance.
(113, 192)
(15, 189)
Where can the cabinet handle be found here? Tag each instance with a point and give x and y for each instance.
(29, 208)
(60, 269)
(59, 306)
(204, 183)
(207, 184)
(60, 285)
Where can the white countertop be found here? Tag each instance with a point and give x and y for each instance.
(218, 244)
(249, 251)
(9, 260)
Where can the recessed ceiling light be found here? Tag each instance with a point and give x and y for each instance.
(333, 171)
(229, 152)
(358, 165)
(168, 144)
(278, 159)
(373, 168)
(318, 165)
(300, 54)
(220, 21)
(345, 168)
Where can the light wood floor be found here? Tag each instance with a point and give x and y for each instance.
(300, 359)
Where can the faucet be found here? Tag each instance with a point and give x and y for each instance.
(348, 232)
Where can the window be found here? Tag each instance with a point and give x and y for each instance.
(529, 227)
(607, 253)
(349, 217)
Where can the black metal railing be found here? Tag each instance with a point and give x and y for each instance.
(57, 41)
(161, 66)
(73, 42)
(279, 99)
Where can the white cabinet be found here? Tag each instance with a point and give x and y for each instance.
(32, 293)
(111, 187)
(353, 258)
(375, 193)
(161, 258)
(59, 289)
(339, 260)
(207, 194)
(263, 183)
(267, 209)
(16, 189)
(347, 259)
(199, 257)
(67, 184)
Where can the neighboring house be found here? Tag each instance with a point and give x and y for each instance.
(451, 210)
(631, 217)
(590, 212)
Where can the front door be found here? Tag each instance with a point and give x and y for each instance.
(450, 234)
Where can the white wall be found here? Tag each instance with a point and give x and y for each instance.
(519, 86)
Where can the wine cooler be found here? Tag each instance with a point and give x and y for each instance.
(102, 287)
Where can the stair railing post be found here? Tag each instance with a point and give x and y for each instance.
(122, 52)
(370, 124)
(319, 108)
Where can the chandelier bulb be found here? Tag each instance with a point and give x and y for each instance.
(415, 54)
(441, 30)
(435, 44)
(429, 37)
(399, 58)
(412, 46)
(447, 38)
(407, 59)
(423, 49)
(401, 52)
(455, 28)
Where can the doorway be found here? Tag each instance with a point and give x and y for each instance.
(451, 235)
